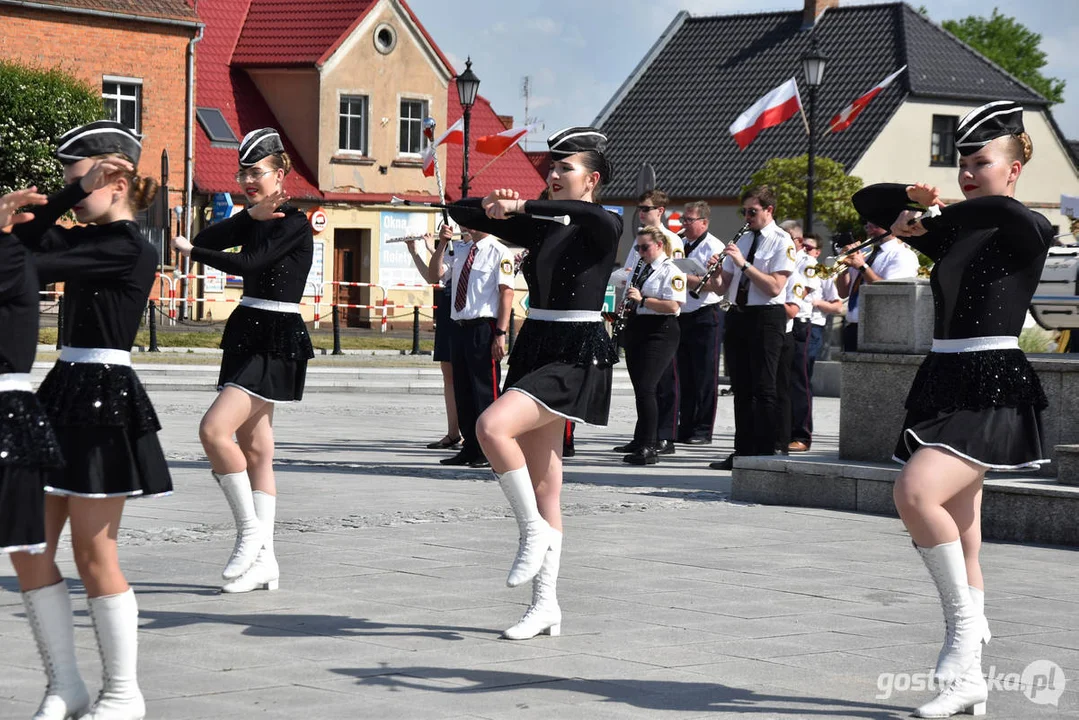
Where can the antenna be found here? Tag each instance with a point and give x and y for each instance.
(526, 93)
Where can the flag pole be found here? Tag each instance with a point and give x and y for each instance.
(476, 174)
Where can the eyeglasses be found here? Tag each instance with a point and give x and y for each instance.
(251, 175)
(686, 220)
(646, 208)
(750, 212)
(642, 248)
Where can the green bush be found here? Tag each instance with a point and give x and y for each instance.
(37, 106)
(832, 190)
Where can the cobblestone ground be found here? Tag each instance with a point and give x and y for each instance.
(676, 602)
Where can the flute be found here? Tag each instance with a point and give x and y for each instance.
(559, 219)
(414, 238)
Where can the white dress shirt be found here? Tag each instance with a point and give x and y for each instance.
(828, 292)
(678, 249)
(492, 268)
(775, 253)
(892, 260)
(666, 282)
(707, 246)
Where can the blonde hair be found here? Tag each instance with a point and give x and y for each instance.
(657, 236)
(281, 161)
(1019, 147)
(141, 191)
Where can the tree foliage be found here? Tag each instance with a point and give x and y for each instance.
(831, 190)
(1012, 45)
(37, 106)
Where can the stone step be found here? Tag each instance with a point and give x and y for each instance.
(1015, 507)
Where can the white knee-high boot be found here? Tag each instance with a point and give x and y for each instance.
(966, 627)
(49, 611)
(535, 533)
(265, 572)
(249, 535)
(970, 692)
(543, 615)
(116, 624)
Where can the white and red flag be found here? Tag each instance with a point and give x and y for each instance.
(778, 106)
(454, 135)
(501, 142)
(846, 116)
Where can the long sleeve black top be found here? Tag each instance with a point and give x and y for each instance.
(107, 271)
(568, 266)
(275, 255)
(988, 254)
(18, 306)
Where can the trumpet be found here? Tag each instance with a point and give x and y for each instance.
(839, 266)
(414, 238)
(713, 269)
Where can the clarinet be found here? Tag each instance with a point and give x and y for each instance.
(626, 306)
(713, 269)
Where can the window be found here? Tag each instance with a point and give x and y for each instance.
(942, 151)
(412, 114)
(353, 127)
(123, 101)
(216, 127)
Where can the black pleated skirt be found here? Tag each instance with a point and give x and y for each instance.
(983, 406)
(29, 451)
(565, 367)
(265, 354)
(106, 428)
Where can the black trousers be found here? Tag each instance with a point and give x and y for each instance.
(476, 376)
(754, 340)
(801, 392)
(850, 337)
(667, 398)
(698, 371)
(651, 344)
(783, 392)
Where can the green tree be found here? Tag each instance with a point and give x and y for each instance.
(831, 190)
(37, 106)
(1012, 45)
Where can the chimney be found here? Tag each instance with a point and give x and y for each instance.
(813, 10)
(506, 120)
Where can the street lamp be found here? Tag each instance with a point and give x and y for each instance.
(468, 85)
(813, 67)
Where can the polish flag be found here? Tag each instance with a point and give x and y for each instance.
(454, 135)
(501, 142)
(776, 107)
(846, 116)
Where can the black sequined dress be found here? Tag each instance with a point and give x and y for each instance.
(265, 351)
(982, 405)
(564, 366)
(28, 447)
(102, 416)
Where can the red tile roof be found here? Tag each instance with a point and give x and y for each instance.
(541, 160)
(167, 9)
(286, 32)
(512, 170)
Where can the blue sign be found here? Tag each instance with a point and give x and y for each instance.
(617, 209)
(222, 207)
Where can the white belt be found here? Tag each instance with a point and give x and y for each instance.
(99, 356)
(976, 344)
(15, 382)
(271, 305)
(565, 315)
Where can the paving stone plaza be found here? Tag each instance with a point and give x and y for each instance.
(677, 603)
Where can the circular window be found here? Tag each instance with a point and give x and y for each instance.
(385, 38)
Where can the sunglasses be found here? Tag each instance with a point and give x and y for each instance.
(646, 208)
(750, 212)
(810, 247)
(642, 248)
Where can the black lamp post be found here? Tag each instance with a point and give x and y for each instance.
(468, 85)
(813, 67)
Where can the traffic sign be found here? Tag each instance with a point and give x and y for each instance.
(674, 222)
(318, 219)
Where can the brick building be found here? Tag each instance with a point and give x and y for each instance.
(135, 53)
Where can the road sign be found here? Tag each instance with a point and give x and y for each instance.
(318, 219)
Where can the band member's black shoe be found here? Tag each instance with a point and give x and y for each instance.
(631, 447)
(727, 464)
(568, 451)
(665, 447)
(445, 443)
(642, 456)
(461, 458)
(699, 440)
(479, 462)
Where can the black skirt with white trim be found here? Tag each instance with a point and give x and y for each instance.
(265, 354)
(982, 406)
(565, 367)
(29, 451)
(107, 431)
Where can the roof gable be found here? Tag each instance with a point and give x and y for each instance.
(285, 32)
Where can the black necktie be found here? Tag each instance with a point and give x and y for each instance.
(741, 298)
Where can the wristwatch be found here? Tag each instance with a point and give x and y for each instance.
(499, 332)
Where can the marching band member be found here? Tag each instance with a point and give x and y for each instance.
(560, 368)
(443, 354)
(754, 276)
(976, 402)
(265, 350)
(481, 270)
(651, 334)
(651, 207)
(793, 302)
(701, 327)
(820, 299)
(100, 412)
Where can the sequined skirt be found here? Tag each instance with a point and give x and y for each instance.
(565, 367)
(107, 431)
(983, 406)
(28, 451)
(252, 331)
